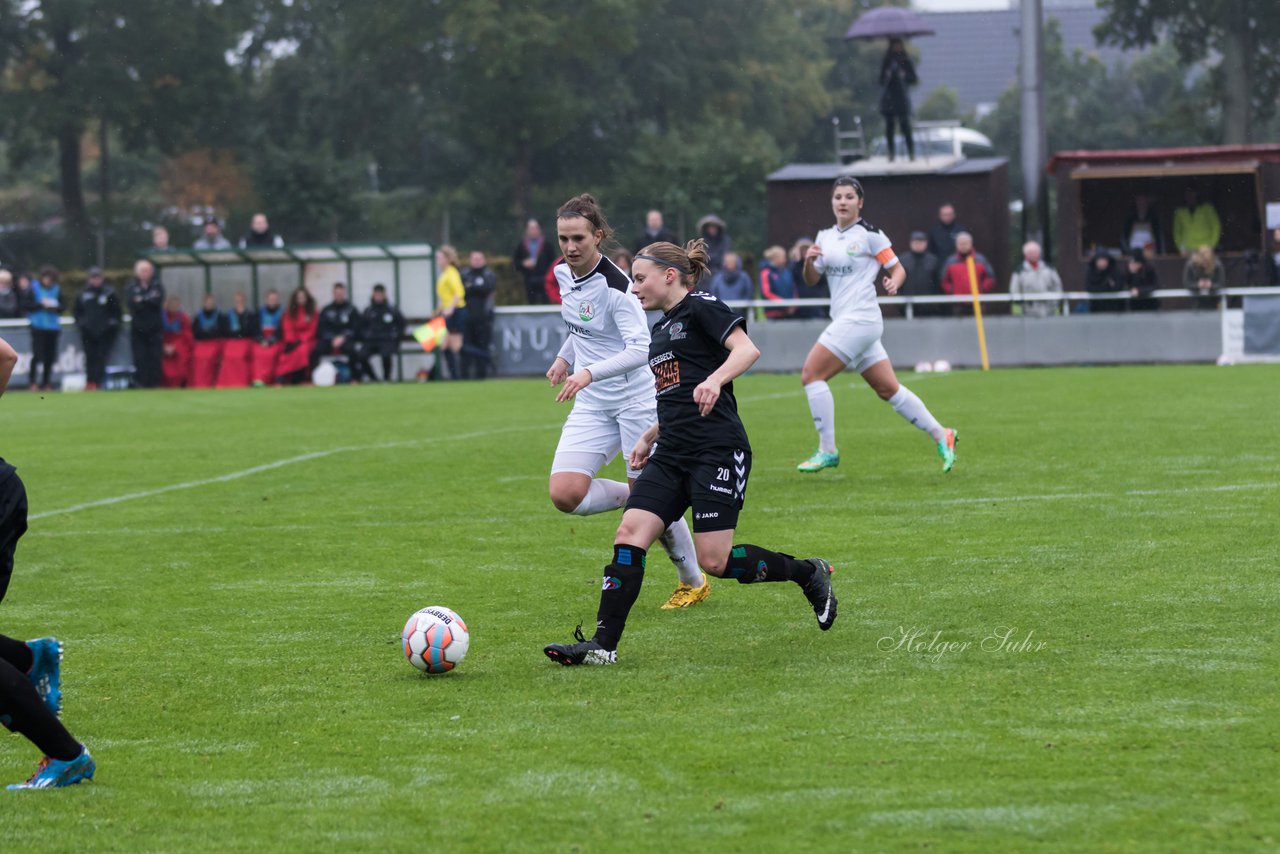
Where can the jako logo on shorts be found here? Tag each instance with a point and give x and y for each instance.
(610, 583)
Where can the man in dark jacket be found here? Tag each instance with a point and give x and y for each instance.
(338, 332)
(942, 238)
(97, 313)
(532, 259)
(383, 326)
(477, 338)
(654, 232)
(145, 299)
(922, 274)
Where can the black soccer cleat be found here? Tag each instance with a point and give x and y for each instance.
(583, 652)
(818, 591)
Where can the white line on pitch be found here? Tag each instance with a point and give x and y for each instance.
(288, 461)
(1078, 496)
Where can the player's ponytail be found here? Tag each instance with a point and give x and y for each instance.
(691, 262)
(699, 261)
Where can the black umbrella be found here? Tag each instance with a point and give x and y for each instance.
(893, 22)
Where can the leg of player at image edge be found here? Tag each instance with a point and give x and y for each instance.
(747, 564)
(30, 701)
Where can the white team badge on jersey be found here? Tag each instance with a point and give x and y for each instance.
(586, 311)
(854, 248)
(677, 331)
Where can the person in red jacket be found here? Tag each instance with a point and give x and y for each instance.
(300, 322)
(177, 344)
(955, 272)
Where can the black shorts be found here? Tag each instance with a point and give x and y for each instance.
(13, 524)
(456, 322)
(713, 483)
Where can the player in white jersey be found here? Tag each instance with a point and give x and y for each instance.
(851, 254)
(611, 385)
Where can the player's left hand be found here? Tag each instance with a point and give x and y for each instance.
(639, 455)
(890, 286)
(706, 395)
(574, 384)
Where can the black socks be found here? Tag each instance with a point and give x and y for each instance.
(16, 653)
(622, 580)
(751, 564)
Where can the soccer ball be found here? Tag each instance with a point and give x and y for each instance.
(941, 366)
(924, 367)
(435, 639)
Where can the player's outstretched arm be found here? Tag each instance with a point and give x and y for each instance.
(8, 359)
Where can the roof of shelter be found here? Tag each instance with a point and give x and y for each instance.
(1191, 155)
(976, 53)
(880, 167)
(299, 253)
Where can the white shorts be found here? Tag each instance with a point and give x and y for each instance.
(855, 342)
(590, 438)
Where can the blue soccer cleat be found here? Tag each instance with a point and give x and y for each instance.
(46, 671)
(55, 773)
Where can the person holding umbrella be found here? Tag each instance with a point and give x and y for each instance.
(897, 73)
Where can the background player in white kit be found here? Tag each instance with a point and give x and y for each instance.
(612, 386)
(851, 254)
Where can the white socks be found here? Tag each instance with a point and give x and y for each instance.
(678, 542)
(910, 407)
(823, 407)
(602, 496)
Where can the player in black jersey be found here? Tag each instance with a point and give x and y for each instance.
(30, 689)
(702, 459)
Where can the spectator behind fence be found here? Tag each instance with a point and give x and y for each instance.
(10, 298)
(451, 304)
(1273, 260)
(46, 305)
(97, 312)
(26, 296)
(1034, 276)
(1195, 224)
(338, 334)
(1142, 228)
(897, 73)
(383, 326)
(1101, 277)
(820, 289)
(260, 235)
(176, 345)
(711, 228)
(955, 274)
(731, 283)
(550, 287)
(776, 283)
(922, 274)
(209, 329)
(144, 299)
(240, 329)
(622, 260)
(270, 341)
(211, 237)
(942, 237)
(481, 284)
(300, 322)
(533, 258)
(655, 231)
(160, 239)
(1204, 274)
(1140, 281)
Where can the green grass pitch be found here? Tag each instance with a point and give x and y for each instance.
(230, 571)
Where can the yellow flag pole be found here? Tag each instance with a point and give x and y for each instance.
(977, 310)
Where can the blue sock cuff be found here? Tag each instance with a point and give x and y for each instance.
(629, 556)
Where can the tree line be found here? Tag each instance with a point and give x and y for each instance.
(404, 119)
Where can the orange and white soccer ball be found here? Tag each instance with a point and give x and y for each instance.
(435, 639)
